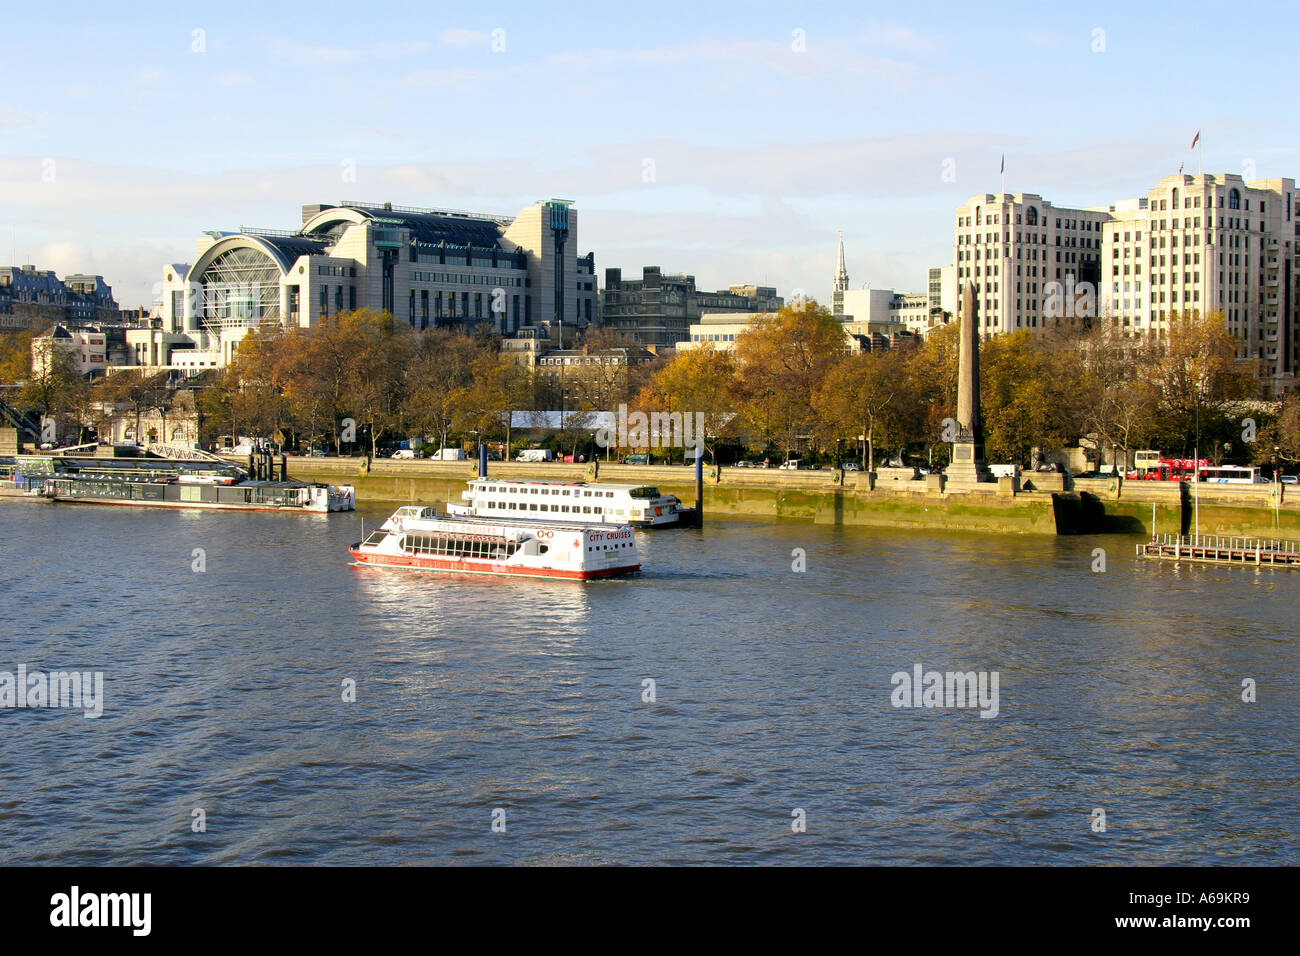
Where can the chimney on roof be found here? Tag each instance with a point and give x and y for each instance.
(313, 209)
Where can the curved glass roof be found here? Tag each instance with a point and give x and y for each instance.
(291, 247)
(433, 228)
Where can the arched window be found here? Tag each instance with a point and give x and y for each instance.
(241, 287)
(1031, 216)
(1234, 199)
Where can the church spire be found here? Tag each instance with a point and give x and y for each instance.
(841, 280)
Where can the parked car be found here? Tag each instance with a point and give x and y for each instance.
(403, 453)
(850, 466)
(637, 460)
(794, 464)
(1290, 479)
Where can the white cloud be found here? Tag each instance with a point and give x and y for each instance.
(9, 117)
(905, 39)
(1047, 41)
(463, 38)
(297, 53)
(762, 213)
(826, 55)
(230, 80)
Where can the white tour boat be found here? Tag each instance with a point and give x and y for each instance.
(418, 538)
(578, 502)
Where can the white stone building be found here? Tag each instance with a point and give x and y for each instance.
(87, 348)
(1012, 245)
(1209, 243)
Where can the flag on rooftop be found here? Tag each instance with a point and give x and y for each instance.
(1195, 139)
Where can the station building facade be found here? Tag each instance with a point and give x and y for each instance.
(427, 267)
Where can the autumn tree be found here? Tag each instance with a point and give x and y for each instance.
(932, 393)
(16, 356)
(486, 398)
(1032, 393)
(1119, 385)
(1197, 375)
(700, 381)
(372, 386)
(868, 394)
(435, 379)
(1280, 438)
(783, 358)
(129, 389)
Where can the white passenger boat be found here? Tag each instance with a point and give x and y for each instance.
(418, 538)
(573, 502)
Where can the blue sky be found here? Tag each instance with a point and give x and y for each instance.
(727, 140)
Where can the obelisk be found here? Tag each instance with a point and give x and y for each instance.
(968, 463)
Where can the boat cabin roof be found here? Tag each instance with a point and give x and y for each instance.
(543, 483)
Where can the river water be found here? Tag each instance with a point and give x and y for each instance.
(525, 702)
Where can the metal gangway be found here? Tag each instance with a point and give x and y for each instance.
(181, 453)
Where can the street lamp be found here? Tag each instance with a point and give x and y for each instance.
(1277, 495)
(1196, 470)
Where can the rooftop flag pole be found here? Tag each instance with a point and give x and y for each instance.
(1003, 173)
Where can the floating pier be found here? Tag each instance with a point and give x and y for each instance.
(1217, 549)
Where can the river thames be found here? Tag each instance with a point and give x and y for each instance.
(482, 699)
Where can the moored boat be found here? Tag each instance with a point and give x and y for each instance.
(418, 538)
(162, 483)
(179, 493)
(571, 502)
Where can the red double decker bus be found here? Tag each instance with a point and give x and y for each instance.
(1174, 469)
